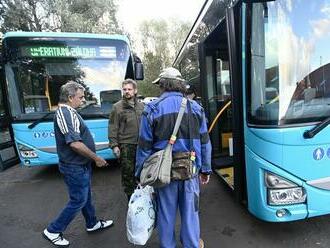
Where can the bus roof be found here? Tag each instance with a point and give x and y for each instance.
(66, 35)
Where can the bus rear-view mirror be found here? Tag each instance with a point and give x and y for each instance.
(139, 72)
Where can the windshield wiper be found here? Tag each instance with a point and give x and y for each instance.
(308, 134)
(86, 106)
(33, 124)
(93, 113)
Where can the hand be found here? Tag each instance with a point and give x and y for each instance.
(204, 179)
(137, 180)
(116, 151)
(100, 162)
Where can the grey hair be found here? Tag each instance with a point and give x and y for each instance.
(166, 84)
(129, 81)
(69, 89)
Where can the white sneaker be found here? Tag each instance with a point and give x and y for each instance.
(101, 224)
(55, 238)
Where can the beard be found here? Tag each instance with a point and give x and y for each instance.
(128, 96)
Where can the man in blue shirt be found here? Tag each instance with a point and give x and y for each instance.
(76, 151)
(157, 124)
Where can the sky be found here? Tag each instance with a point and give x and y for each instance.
(132, 12)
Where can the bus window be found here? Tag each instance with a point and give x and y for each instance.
(289, 77)
(108, 98)
(39, 69)
(36, 103)
(223, 79)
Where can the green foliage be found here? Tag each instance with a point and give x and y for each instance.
(161, 41)
(86, 16)
(92, 16)
(24, 15)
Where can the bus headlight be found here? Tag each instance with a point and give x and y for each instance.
(275, 181)
(282, 191)
(286, 196)
(26, 152)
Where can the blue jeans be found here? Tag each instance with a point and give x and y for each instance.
(182, 195)
(78, 181)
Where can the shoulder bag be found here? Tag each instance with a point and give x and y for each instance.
(156, 169)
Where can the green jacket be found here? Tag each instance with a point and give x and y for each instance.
(124, 123)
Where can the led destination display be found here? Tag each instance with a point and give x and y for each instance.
(69, 51)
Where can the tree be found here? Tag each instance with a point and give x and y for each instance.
(24, 15)
(94, 16)
(86, 16)
(161, 40)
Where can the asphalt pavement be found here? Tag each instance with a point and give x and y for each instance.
(31, 197)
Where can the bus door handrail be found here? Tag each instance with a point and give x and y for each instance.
(218, 115)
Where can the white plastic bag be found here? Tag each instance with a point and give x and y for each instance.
(140, 220)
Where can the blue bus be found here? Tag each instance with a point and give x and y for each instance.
(35, 65)
(262, 69)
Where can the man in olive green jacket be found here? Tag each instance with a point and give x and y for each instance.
(124, 123)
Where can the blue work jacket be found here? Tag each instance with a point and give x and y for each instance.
(157, 124)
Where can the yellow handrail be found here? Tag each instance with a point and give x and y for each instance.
(218, 115)
(47, 93)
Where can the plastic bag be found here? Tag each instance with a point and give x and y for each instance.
(140, 219)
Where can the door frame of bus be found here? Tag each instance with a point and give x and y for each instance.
(232, 29)
(234, 35)
(8, 143)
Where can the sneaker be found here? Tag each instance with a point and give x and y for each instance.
(101, 224)
(55, 238)
(201, 243)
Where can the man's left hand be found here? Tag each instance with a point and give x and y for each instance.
(204, 179)
(100, 162)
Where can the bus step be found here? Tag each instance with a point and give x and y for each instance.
(226, 174)
(222, 162)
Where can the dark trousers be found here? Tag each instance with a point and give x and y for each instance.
(127, 163)
(78, 181)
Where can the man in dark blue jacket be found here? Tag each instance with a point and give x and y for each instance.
(157, 124)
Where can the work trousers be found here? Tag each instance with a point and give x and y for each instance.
(78, 181)
(127, 165)
(185, 196)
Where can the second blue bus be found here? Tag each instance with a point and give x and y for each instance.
(35, 66)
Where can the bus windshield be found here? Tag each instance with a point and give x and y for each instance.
(289, 62)
(36, 68)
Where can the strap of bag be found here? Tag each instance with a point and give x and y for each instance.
(178, 121)
(191, 144)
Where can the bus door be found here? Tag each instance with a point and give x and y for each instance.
(218, 105)
(223, 104)
(8, 153)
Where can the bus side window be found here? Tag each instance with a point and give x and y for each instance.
(36, 103)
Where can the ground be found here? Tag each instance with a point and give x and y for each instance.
(31, 197)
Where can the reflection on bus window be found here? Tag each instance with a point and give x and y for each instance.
(295, 63)
(109, 98)
(37, 71)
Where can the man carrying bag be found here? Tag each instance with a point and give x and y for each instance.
(191, 158)
(156, 169)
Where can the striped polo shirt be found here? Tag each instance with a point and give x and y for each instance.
(69, 127)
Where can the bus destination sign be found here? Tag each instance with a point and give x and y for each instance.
(69, 51)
